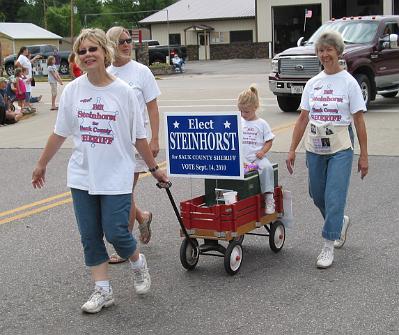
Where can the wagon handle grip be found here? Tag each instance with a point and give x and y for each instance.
(164, 185)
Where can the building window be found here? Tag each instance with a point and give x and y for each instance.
(241, 36)
(218, 37)
(396, 7)
(174, 39)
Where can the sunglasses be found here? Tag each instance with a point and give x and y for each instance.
(127, 40)
(85, 51)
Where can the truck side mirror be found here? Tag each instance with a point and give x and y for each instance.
(300, 41)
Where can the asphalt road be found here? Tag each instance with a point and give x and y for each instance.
(43, 280)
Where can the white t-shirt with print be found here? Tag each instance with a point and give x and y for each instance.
(104, 123)
(25, 63)
(52, 69)
(332, 98)
(141, 79)
(254, 135)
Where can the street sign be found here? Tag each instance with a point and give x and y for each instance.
(204, 145)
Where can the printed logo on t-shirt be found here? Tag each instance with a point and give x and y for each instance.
(325, 104)
(96, 123)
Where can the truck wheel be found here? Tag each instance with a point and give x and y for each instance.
(64, 68)
(10, 69)
(365, 86)
(390, 94)
(288, 104)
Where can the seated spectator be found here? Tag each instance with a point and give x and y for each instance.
(7, 115)
(178, 63)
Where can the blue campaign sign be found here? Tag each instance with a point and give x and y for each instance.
(204, 144)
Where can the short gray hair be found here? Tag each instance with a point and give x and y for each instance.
(333, 39)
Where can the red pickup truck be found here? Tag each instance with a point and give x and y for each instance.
(371, 55)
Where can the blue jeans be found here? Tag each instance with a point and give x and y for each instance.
(99, 215)
(27, 96)
(329, 177)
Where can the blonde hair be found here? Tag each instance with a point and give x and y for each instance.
(114, 33)
(71, 57)
(97, 36)
(249, 98)
(50, 60)
(18, 72)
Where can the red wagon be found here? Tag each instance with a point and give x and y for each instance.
(204, 218)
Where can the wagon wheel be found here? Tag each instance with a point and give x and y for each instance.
(189, 255)
(233, 257)
(239, 239)
(276, 236)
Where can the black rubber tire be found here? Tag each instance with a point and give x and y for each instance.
(188, 256)
(232, 264)
(288, 104)
(238, 239)
(9, 69)
(365, 86)
(64, 68)
(390, 95)
(276, 242)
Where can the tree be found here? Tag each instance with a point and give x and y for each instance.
(10, 9)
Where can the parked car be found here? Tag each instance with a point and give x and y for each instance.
(371, 55)
(44, 50)
(158, 53)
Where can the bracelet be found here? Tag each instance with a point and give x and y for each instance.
(153, 169)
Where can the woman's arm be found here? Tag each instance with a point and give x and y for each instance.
(297, 135)
(54, 143)
(362, 165)
(153, 114)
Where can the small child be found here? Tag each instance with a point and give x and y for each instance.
(20, 88)
(53, 78)
(257, 139)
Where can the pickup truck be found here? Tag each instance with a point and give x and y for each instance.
(158, 53)
(371, 55)
(44, 50)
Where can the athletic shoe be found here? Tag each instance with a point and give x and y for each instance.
(325, 259)
(340, 243)
(99, 299)
(141, 278)
(270, 206)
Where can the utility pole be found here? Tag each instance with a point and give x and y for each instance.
(72, 21)
(45, 14)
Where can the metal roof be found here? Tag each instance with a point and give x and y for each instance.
(194, 10)
(26, 31)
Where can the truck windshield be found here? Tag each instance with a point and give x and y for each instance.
(352, 31)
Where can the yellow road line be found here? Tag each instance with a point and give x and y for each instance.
(35, 211)
(33, 204)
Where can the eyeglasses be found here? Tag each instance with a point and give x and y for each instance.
(127, 40)
(85, 51)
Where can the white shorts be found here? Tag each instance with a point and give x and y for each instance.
(53, 89)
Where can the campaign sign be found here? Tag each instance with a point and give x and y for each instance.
(204, 144)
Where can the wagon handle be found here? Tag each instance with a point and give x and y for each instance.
(167, 186)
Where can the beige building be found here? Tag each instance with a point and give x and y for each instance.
(15, 35)
(221, 29)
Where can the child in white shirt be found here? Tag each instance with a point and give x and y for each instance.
(257, 140)
(53, 78)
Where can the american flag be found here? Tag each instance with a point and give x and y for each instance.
(308, 13)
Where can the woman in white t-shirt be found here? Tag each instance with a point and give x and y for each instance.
(142, 81)
(330, 102)
(102, 115)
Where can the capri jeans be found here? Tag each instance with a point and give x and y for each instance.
(99, 215)
(266, 175)
(329, 177)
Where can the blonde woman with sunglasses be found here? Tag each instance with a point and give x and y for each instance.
(102, 115)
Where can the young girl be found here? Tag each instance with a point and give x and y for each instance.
(103, 116)
(53, 77)
(20, 88)
(257, 140)
(74, 69)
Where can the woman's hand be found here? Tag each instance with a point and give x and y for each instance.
(161, 176)
(363, 166)
(290, 161)
(260, 154)
(38, 176)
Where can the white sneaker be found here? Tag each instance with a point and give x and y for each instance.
(270, 206)
(340, 243)
(325, 259)
(99, 299)
(141, 278)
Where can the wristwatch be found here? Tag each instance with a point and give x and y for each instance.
(153, 169)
